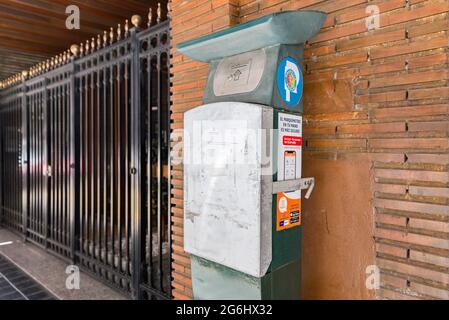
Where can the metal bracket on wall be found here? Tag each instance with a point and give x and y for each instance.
(298, 184)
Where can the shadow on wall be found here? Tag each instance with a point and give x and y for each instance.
(338, 230)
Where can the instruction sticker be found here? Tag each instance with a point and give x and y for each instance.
(288, 210)
(289, 146)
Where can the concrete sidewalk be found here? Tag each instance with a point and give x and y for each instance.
(49, 271)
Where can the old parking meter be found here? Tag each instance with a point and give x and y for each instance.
(242, 160)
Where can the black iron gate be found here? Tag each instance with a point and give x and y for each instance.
(85, 168)
(10, 157)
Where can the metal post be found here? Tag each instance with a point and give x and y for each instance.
(25, 156)
(169, 182)
(135, 159)
(73, 191)
(44, 143)
(2, 179)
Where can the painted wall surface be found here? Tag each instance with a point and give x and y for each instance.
(337, 243)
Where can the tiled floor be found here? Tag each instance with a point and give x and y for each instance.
(16, 285)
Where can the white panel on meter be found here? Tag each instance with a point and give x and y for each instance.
(224, 219)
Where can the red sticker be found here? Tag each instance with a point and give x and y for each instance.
(292, 141)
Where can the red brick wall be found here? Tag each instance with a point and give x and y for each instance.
(374, 99)
(190, 19)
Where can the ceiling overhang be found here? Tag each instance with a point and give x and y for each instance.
(34, 30)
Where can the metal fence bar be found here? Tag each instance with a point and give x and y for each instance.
(44, 166)
(2, 159)
(24, 158)
(33, 181)
(104, 161)
(73, 193)
(149, 185)
(52, 105)
(135, 162)
(98, 162)
(126, 169)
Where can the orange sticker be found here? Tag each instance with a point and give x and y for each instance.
(288, 210)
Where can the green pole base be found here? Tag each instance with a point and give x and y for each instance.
(213, 281)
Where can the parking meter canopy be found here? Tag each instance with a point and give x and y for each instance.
(288, 27)
(259, 61)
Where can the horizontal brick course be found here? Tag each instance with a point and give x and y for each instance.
(393, 282)
(409, 48)
(436, 226)
(411, 238)
(412, 175)
(433, 292)
(408, 143)
(372, 128)
(429, 258)
(441, 210)
(389, 294)
(413, 270)
(391, 219)
(391, 250)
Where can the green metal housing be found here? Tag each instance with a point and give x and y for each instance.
(278, 35)
(267, 92)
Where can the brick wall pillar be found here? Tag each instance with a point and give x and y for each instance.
(190, 19)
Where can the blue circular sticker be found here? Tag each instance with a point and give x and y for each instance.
(290, 81)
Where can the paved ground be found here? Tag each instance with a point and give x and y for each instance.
(49, 272)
